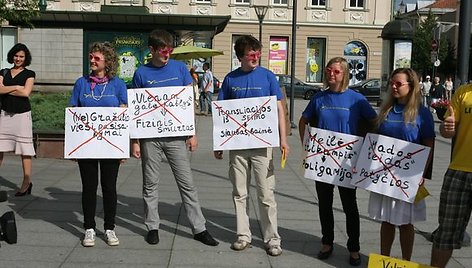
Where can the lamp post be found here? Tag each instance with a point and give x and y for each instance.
(42, 4)
(261, 11)
(292, 63)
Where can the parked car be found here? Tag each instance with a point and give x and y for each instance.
(216, 82)
(370, 88)
(301, 89)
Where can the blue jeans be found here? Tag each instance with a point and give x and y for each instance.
(205, 102)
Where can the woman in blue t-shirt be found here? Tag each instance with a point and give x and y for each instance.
(402, 117)
(101, 88)
(339, 109)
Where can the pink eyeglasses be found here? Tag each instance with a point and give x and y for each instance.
(95, 57)
(165, 51)
(330, 71)
(398, 84)
(253, 55)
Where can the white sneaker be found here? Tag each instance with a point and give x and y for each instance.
(111, 238)
(89, 239)
(274, 250)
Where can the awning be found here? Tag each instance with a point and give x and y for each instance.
(129, 18)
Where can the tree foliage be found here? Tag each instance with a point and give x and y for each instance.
(424, 34)
(19, 12)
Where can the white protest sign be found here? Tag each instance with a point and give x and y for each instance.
(390, 167)
(330, 156)
(96, 132)
(245, 123)
(161, 112)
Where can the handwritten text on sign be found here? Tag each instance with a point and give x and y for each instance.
(245, 123)
(380, 261)
(391, 167)
(96, 132)
(330, 156)
(161, 112)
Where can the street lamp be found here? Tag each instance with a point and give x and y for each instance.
(261, 11)
(42, 5)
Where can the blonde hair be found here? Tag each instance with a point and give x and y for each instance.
(345, 67)
(111, 60)
(413, 98)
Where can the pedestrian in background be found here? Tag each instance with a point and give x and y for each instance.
(402, 116)
(425, 91)
(449, 86)
(249, 81)
(16, 125)
(206, 90)
(342, 110)
(162, 71)
(456, 191)
(195, 85)
(438, 91)
(100, 88)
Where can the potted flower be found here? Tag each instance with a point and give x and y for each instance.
(441, 107)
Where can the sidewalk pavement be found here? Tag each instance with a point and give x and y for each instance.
(50, 220)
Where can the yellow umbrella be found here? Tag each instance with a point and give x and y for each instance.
(193, 52)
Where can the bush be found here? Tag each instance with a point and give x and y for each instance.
(47, 110)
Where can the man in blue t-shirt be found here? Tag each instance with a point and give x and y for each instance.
(163, 72)
(251, 80)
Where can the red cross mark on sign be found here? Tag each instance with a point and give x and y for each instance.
(243, 125)
(328, 152)
(161, 105)
(96, 133)
(389, 168)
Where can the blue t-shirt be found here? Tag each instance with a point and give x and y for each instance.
(259, 82)
(174, 73)
(110, 94)
(395, 127)
(339, 111)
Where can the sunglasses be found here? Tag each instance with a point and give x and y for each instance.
(253, 55)
(95, 58)
(165, 51)
(330, 71)
(398, 84)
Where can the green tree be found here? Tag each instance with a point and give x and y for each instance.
(424, 34)
(19, 12)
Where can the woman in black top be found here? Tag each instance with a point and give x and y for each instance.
(16, 130)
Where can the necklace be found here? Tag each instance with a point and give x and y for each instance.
(395, 110)
(97, 98)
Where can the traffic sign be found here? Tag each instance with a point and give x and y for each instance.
(434, 56)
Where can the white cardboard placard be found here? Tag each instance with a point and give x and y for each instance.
(161, 112)
(391, 167)
(245, 123)
(330, 156)
(96, 132)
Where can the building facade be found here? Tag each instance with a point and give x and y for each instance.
(324, 29)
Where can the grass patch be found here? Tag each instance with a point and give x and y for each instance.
(47, 110)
